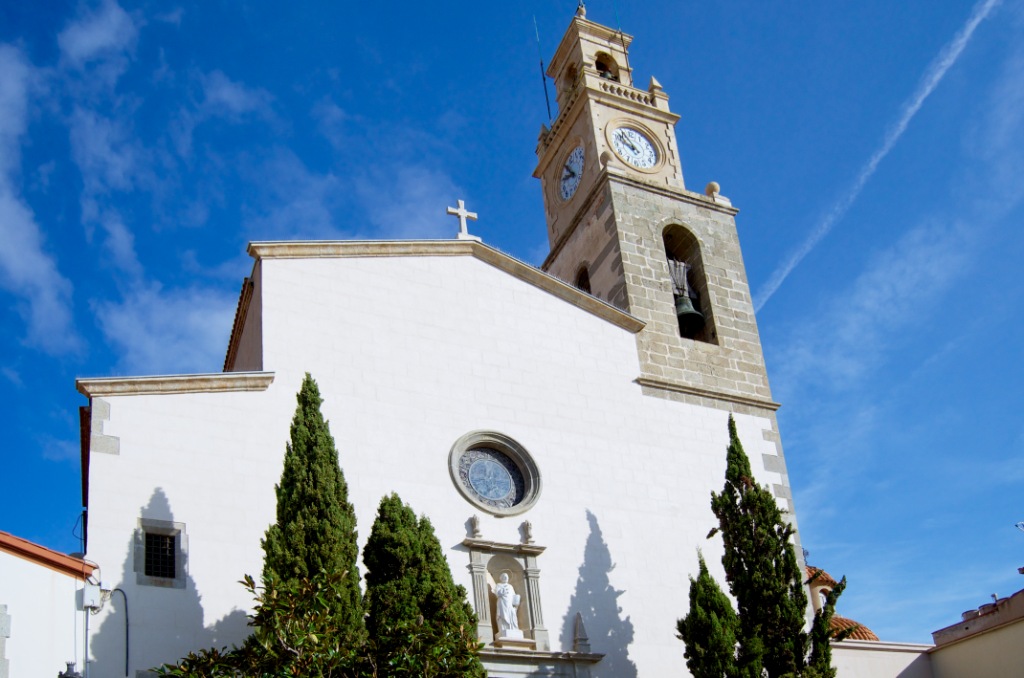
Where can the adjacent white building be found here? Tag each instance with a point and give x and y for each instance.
(43, 621)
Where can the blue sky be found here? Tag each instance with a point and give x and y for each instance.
(875, 149)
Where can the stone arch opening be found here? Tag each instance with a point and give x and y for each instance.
(606, 66)
(686, 267)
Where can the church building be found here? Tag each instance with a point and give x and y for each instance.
(562, 426)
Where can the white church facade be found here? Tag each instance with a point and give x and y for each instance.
(563, 426)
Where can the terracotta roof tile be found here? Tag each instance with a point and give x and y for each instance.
(820, 576)
(860, 632)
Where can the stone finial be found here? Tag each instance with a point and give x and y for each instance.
(580, 641)
(527, 530)
(581, 9)
(474, 526)
(654, 86)
(714, 191)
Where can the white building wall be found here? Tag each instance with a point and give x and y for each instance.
(46, 630)
(410, 354)
(873, 659)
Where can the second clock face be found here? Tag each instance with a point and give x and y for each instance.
(634, 147)
(572, 171)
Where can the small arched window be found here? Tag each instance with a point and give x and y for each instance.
(606, 66)
(689, 284)
(583, 280)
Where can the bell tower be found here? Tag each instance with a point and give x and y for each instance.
(623, 227)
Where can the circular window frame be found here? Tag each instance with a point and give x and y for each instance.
(511, 449)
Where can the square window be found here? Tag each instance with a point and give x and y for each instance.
(160, 552)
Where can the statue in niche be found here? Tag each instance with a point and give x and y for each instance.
(508, 605)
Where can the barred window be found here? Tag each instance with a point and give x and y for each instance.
(160, 554)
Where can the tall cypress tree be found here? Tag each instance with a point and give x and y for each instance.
(709, 629)
(418, 620)
(761, 569)
(316, 525)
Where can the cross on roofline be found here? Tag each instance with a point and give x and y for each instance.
(462, 213)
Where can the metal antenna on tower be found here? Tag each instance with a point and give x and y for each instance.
(543, 77)
(622, 38)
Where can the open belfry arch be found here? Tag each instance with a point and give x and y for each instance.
(585, 402)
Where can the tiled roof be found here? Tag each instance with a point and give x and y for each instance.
(820, 577)
(65, 564)
(860, 632)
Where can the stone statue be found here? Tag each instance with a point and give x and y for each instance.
(508, 604)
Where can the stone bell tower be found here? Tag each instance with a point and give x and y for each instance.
(623, 227)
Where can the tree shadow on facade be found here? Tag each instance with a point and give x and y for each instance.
(166, 616)
(598, 604)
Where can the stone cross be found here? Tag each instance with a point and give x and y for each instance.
(462, 213)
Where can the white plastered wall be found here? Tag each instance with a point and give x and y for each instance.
(46, 630)
(410, 354)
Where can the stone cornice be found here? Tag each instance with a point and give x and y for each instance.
(517, 655)
(880, 646)
(220, 382)
(442, 248)
(499, 547)
(651, 382)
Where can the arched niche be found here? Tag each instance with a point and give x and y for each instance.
(498, 564)
(606, 66)
(487, 560)
(681, 245)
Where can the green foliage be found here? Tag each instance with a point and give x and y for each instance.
(409, 590)
(766, 581)
(821, 633)
(296, 634)
(316, 525)
(709, 629)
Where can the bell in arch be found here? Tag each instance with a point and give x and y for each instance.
(691, 321)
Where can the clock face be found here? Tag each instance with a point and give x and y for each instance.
(572, 171)
(634, 147)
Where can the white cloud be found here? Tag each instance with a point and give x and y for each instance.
(837, 348)
(168, 331)
(233, 99)
(409, 201)
(934, 74)
(105, 152)
(105, 33)
(109, 159)
(293, 201)
(26, 270)
(222, 98)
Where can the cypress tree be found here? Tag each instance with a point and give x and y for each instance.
(820, 663)
(709, 629)
(315, 530)
(419, 621)
(761, 569)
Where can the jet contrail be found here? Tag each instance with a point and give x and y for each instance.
(932, 77)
